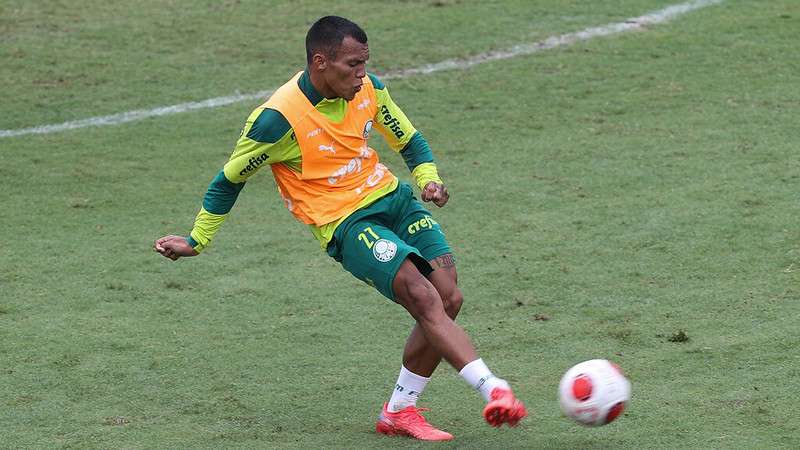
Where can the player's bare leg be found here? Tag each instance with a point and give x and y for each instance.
(419, 356)
(436, 336)
(421, 299)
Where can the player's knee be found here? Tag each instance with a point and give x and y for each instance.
(452, 302)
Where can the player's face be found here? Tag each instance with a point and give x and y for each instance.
(344, 73)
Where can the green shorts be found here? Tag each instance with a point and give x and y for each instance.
(373, 242)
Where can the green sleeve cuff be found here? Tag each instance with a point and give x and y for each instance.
(198, 247)
(192, 243)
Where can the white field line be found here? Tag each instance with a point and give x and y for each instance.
(635, 23)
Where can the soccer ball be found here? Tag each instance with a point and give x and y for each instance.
(594, 392)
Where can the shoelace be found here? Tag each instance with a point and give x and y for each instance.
(415, 417)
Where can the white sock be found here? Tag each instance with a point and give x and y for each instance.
(481, 378)
(407, 390)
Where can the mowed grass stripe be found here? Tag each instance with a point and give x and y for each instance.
(636, 23)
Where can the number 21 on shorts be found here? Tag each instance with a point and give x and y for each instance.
(366, 239)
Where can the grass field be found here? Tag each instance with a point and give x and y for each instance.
(638, 191)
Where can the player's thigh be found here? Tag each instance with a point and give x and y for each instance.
(373, 253)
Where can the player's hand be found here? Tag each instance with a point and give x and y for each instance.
(436, 193)
(173, 247)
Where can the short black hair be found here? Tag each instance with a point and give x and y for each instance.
(327, 34)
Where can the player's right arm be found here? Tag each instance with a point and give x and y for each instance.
(403, 138)
(266, 139)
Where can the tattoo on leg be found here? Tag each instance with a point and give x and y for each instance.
(444, 261)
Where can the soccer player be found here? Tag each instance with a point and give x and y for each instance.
(313, 133)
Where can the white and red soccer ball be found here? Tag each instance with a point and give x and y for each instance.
(594, 392)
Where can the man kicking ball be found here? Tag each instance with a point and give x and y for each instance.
(313, 133)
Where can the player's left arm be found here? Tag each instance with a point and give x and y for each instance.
(403, 138)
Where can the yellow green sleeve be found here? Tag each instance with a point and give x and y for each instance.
(402, 137)
(206, 225)
(391, 121)
(425, 173)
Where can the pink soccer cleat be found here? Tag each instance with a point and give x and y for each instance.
(409, 422)
(504, 408)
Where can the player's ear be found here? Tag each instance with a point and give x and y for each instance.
(319, 61)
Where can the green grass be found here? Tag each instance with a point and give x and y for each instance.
(629, 189)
